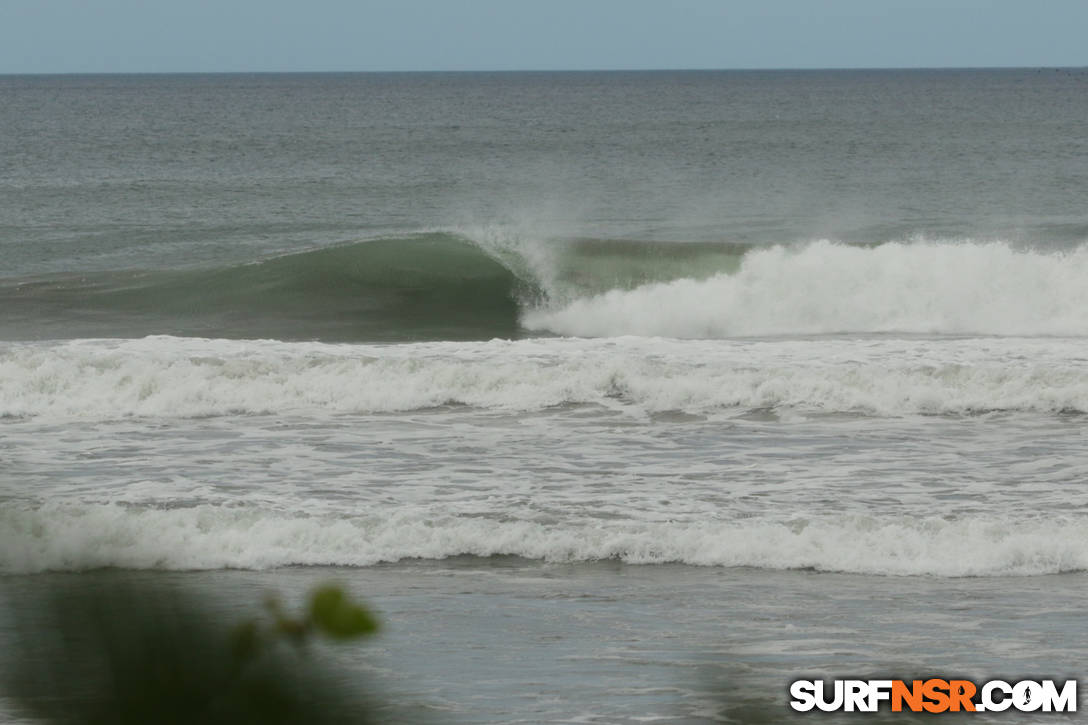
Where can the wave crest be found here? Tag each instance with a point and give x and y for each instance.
(446, 286)
(69, 537)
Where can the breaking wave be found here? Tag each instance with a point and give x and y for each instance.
(433, 286)
(820, 288)
(446, 286)
(186, 377)
(76, 537)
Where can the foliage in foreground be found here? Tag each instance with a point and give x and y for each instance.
(111, 650)
(148, 653)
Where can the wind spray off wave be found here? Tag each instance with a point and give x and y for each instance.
(490, 282)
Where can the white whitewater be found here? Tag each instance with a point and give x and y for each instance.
(185, 377)
(921, 287)
(79, 537)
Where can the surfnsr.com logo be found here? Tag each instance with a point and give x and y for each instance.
(933, 695)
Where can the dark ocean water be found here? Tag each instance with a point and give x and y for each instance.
(595, 366)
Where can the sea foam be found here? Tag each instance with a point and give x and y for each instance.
(825, 287)
(75, 537)
(187, 377)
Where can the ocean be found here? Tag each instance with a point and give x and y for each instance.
(620, 396)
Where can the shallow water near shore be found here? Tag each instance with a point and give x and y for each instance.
(504, 639)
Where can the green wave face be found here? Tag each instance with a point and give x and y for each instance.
(436, 286)
(429, 287)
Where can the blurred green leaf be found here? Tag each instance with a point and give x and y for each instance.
(338, 617)
(122, 648)
(245, 641)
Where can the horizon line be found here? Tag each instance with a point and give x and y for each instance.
(548, 70)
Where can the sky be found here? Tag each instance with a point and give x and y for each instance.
(156, 36)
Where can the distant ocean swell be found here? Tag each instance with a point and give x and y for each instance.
(75, 537)
(186, 377)
(444, 286)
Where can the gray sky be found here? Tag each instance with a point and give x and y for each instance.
(91, 36)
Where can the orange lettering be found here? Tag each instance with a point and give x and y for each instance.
(961, 692)
(912, 695)
(935, 691)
